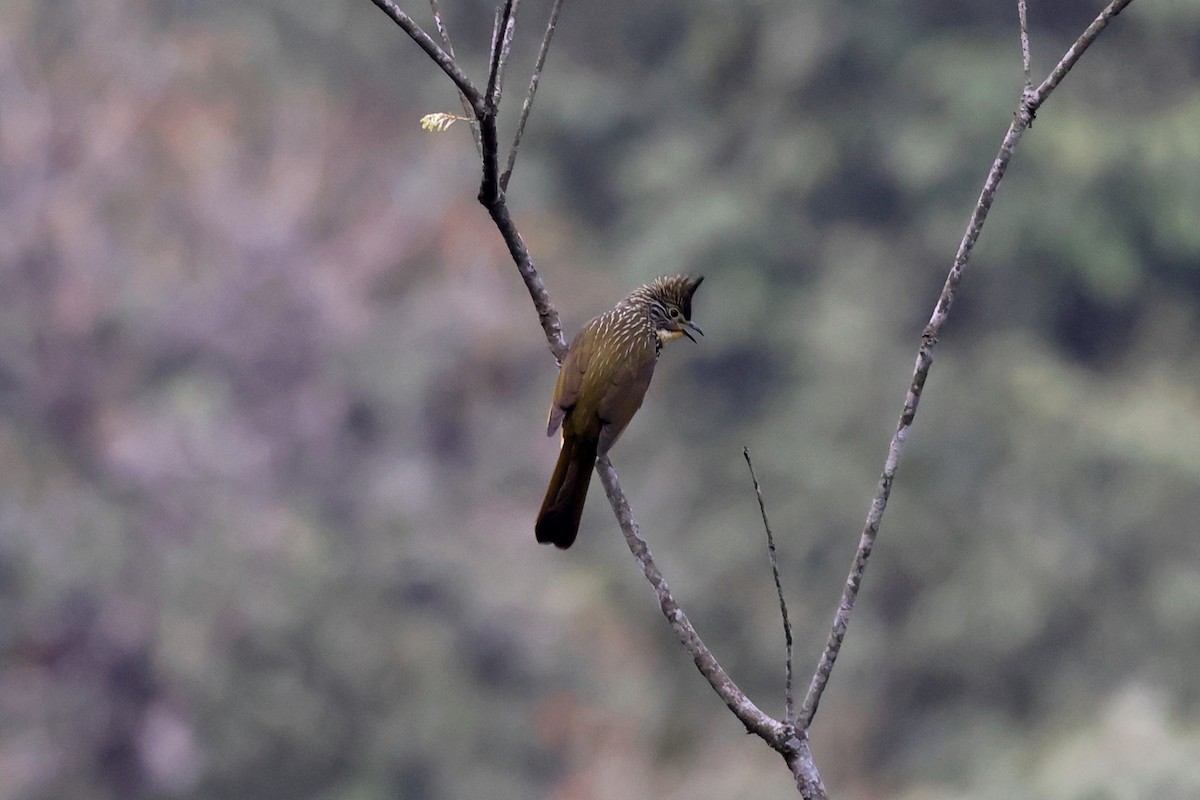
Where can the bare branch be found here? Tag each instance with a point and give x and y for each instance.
(1026, 110)
(490, 191)
(1024, 42)
(547, 313)
(439, 56)
(505, 49)
(800, 761)
(1076, 50)
(750, 715)
(502, 33)
(441, 27)
(494, 52)
(784, 738)
(789, 697)
(466, 104)
(534, 79)
(788, 739)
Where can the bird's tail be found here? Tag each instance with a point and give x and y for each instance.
(558, 521)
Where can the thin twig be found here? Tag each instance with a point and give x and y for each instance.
(441, 27)
(1024, 43)
(1030, 102)
(466, 104)
(439, 56)
(534, 79)
(789, 697)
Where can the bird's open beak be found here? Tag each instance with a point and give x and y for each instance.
(688, 326)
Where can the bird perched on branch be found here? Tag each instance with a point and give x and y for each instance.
(600, 386)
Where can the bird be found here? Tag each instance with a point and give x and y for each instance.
(601, 384)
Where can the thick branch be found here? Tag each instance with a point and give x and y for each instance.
(1030, 102)
(800, 761)
(490, 193)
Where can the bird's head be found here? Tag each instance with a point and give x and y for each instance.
(669, 301)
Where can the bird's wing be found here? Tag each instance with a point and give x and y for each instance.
(570, 381)
(623, 398)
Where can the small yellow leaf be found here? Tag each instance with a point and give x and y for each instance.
(440, 122)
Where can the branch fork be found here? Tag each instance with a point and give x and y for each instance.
(790, 736)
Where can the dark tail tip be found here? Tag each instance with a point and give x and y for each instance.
(558, 529)
(558, 521)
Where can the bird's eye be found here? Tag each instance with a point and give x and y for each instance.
(674, 313)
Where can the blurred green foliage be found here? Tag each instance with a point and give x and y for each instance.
(273, 402)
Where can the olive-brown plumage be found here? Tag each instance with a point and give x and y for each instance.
(601, 384)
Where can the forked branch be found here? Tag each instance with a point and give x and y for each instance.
(790, 740)
(485, 107)
(743, 708)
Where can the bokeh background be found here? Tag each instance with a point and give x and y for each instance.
(272, 403)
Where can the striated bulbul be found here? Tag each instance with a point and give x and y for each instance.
(600, 386)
